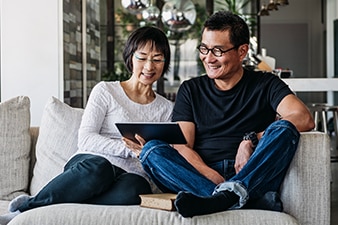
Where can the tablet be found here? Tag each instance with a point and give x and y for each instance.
(168, 132)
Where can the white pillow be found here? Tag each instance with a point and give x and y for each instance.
(56, 143)
(14, 146)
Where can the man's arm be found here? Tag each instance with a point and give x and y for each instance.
(188, 129)
(295, 111)
(291, 109)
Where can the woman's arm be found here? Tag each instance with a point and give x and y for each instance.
(90, 137)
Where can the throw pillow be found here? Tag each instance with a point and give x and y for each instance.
(56, 143)
(14, 147)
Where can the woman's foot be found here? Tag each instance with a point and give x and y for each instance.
(17, 202)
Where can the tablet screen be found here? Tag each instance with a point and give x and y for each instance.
(168, 132)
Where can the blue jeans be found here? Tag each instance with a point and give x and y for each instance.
(263, 173)
(90, 179)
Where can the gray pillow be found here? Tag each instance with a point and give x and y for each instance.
(56, 143)
(14, 146)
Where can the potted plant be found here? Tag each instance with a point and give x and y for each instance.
(128, 21)
(241, 8)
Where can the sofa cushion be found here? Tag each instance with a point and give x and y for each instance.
(14, 146)
(84, 214)
(56, 143)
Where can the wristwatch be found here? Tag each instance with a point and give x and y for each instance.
(252, 136)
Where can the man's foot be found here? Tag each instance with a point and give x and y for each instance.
(189, 205)
(5, 219)
(17, 202)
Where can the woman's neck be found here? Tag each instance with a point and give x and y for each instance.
(138, 92)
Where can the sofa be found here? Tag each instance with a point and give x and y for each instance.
(31, 156)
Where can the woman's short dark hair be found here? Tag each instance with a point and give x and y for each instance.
(142, 36)
(225, 20)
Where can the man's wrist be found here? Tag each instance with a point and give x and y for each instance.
(251, 136)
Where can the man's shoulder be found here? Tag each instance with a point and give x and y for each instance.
(260, 75)
(196, 80)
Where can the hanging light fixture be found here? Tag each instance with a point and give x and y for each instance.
(282, 2)
(264, 11)
(178, 15)
(272, 5)
(135, 6)
(152, 13)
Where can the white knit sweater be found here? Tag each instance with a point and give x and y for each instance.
(108, 104)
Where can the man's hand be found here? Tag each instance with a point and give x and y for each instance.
(132, 145)
(244, 152)
(215, 177)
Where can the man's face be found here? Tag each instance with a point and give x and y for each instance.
(226, 65)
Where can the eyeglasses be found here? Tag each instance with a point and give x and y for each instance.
(215, 51)
(155, 60)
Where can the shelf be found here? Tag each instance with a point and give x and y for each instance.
(312, 84)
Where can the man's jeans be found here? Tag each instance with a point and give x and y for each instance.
(264, 172)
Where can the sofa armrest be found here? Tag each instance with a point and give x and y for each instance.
(306, 188)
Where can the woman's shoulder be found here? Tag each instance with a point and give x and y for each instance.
(107, 86)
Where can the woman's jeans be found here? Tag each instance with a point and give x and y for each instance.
(90, 179)
(262, 175)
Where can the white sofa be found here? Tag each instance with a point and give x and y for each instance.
(30, 157)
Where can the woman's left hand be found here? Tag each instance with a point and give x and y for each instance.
(132, 145)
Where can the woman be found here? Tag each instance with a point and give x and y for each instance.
(104, 170)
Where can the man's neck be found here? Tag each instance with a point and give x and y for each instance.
(229, 83)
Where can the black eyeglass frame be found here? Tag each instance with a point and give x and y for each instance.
(212, 50)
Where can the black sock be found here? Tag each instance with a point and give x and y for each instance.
(189, 205)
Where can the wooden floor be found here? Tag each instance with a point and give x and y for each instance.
(334, 186)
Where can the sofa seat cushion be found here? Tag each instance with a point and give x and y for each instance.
(15, 143)
(85, 214)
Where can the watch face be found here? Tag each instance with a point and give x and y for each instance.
(252, 136)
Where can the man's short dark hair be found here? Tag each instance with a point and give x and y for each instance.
(225, 20)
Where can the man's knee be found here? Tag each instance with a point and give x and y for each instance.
(154, 146)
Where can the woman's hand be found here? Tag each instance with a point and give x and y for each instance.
(132, 145)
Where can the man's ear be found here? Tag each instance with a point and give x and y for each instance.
(243, 51)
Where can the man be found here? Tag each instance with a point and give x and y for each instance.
(237, 152)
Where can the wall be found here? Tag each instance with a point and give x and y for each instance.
(295, 35)
(317, 60)
(332, 14)
(31, 52)
(31, 59)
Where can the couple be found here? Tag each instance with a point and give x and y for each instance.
(236, 153)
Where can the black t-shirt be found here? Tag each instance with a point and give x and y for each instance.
(223, 117)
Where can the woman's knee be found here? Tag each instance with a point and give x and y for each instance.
(138, 184)
(94, 166)
(131, 186)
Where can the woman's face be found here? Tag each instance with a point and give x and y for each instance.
(148, 64)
